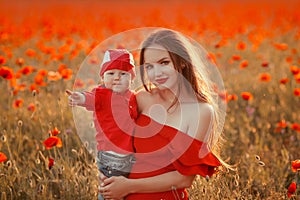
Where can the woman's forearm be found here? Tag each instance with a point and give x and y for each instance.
(160, 183)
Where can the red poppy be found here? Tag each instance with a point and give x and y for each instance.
(297, 78)
(48, 50)
(69, 41)
(42, 72)
(53, 76)
(3, 157)
(265, 77)
(284, 80)
(236, 57)
(21, 87)
(223, 96)
(20, 61)
(66, 74)
(31, 107)
(33, 87)
(282, 124)
(281, 46)
(295, 165)
(265, 64)
(2, 60)
(78, 83)
(221, 43)
(246, 96)
(64, 49)
(55, 131)
(292, 189)
(39, 80)
(210, 56)
(73, 54)
(61, 67)
(6, 72)
(52, 141)
(297, 92)
(18, 103)
(30, 52)
(50, 163)
(295, 127)
(294, 51)
(241, 46)
(294, 69)
(232, 97)
(27, 70)
(289, 59)
(244, 64)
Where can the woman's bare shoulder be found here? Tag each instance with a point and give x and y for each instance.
(205, 109)
(199, 124)
(145, 98)
(142, 94)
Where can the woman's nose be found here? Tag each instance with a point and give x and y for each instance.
(157, 70)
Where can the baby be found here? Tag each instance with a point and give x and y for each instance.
(114, 109)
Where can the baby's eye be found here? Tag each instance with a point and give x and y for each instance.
(110, 73)
(124, 74)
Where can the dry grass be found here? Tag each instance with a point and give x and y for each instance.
(262, 154)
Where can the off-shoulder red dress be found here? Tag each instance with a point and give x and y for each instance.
(160, 149)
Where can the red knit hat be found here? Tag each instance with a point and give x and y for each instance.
(118, 59)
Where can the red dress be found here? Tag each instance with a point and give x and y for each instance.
(160, 149)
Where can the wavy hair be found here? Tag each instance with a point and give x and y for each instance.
(189, 61)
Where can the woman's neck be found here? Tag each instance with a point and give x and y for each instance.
(167, 95)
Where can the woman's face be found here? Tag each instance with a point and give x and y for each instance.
(159, 67)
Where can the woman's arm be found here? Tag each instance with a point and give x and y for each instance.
(118, 187)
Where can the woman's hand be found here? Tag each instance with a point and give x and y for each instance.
(115, 187)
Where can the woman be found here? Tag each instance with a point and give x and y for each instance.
(177, 133)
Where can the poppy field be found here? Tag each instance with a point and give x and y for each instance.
(255, 45)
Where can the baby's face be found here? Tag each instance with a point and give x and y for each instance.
(117, 80)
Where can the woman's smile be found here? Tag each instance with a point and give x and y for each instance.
(161, 80)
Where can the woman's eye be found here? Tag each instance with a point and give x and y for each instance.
(166, 62)
(147, 67)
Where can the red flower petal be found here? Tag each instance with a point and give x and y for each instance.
(51, 163)
(292, 189)
(52, 141)
(247, 96)
(295, 165)
(2, 157)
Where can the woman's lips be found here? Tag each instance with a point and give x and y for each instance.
(161, 80)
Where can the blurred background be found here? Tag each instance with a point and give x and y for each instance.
(255, 45)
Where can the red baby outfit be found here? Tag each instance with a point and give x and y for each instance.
(114, 116)
(160, 149)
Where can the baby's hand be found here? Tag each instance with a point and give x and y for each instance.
(75, 98)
